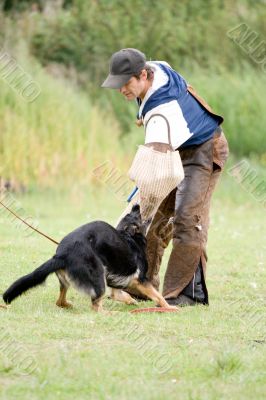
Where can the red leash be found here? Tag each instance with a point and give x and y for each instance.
(154, 309)
(26, 223)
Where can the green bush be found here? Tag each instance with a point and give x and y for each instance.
(186, 33)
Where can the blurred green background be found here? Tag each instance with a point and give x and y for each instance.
(65, 45)
(70, 148)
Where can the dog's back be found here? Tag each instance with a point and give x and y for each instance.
(121, 254)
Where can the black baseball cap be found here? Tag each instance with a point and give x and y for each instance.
(123, 65)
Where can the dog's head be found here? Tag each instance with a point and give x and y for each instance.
(132, 222)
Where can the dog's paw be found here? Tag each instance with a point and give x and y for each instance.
(3, 306)
(124, 297)
(64, 304)
(169, 307)
(131, 302)
(172, 307)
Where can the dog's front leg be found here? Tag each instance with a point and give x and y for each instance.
(97, 305)
(148, 290)
(124, 297)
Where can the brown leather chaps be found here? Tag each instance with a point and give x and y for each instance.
(189, 207)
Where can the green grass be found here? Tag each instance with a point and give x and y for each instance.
(215, 352)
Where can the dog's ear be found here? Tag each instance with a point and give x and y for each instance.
(136, 209)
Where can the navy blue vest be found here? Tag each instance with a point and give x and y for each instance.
(201, 123)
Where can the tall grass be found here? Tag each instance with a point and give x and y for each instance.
(60, 135)
(240, 98)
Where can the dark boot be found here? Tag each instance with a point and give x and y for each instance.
(194, 293)
(196, 287)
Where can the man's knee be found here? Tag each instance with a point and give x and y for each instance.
(187, 226)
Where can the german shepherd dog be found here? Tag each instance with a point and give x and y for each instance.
(93, 256)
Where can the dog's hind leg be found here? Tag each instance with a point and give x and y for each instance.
(121, 295)
(64, 285)
(148, 290)
(97, 295)
(97, 304)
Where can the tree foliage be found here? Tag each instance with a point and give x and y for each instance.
(185, 33)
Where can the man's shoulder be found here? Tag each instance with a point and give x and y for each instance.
(160, 76)
(158, 63)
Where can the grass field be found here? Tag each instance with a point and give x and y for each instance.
(200, 353)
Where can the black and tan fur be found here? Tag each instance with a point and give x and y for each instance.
(96, 255)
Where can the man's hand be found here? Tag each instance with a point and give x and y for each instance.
(162, 147)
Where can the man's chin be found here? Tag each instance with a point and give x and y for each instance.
(130, 97)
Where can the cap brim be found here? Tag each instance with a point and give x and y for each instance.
(115, 81)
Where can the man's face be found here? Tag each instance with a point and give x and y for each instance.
(134, 87)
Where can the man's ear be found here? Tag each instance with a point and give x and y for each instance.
(144, 74)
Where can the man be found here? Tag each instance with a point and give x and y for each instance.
(162, 93)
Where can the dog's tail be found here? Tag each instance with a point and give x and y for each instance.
(33, 279)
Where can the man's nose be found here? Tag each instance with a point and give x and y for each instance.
(122, 89)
